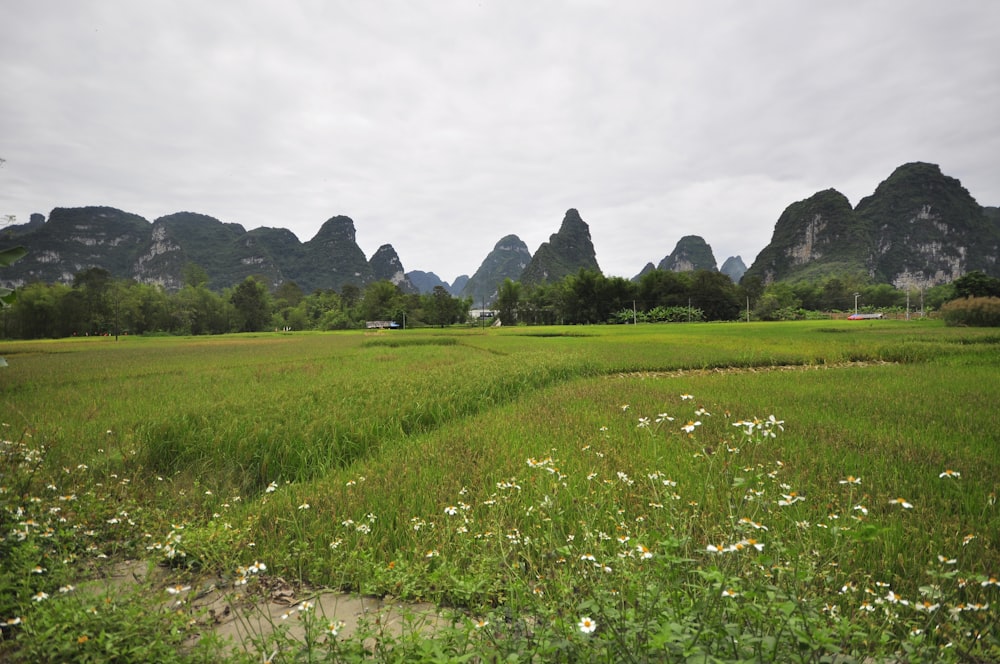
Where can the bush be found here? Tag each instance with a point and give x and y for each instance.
(973, 312)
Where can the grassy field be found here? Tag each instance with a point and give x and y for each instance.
(703, 492)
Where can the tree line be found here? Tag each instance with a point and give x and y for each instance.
(703, 295)
(98, 304)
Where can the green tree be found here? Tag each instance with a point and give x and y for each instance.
(37, 312)
(320, 303)
(976, 284)
(440, 308)
(350, 295)
(94, 286)
(715, 294)
(751, 287)
(252, 308)
(663, 288)
(883, 296)
(197, 310)
(380, 301)
(508, 301)
(148, 309)
(538, 305)
(777, 303)
(288, 312)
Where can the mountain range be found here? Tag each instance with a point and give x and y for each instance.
(919, 228)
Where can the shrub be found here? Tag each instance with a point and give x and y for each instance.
(973, 312)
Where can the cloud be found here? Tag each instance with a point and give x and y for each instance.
(440, 127)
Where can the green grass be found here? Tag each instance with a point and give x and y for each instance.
(482, 470)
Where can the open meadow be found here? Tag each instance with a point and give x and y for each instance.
(803, 491)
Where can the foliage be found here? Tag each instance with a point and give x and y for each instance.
(7, 296)
(976, 284)
(508, 299)
(972, 311)
(565, 495)
(251, 305)
(9, 257)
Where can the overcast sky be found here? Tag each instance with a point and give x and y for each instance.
(440, 126)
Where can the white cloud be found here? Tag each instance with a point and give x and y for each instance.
(440, 127)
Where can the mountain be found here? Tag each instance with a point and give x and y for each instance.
(646, 269)
(567, 252)
(734, 268)
(691, 253)
(335, 257)
(919, 228)
(426, 281)
(458, 285)
(507, 261)
(129, 246)
(926, 229)
(386, 266)
(75, 239)
(16, 230)
(814, 237)
(225, 251)
(992, 215)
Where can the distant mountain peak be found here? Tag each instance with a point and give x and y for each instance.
(919, 228)
(734, 268)
(507, 260)
(386, 266)
(567, 252)
(691, 253)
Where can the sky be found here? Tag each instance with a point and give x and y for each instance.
(441, 126)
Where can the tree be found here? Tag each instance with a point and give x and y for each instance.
(663, 288)
(94, 286)
(250, 300)
(715, 294)
(197, 310)
(380, 301)
(508, 299)
(288, 308)
(751, 288)
(538, 306)
(288, 294)
(777, 303)
(440, 307)
(976, 284)
(349, 295)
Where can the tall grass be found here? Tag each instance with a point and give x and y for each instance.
(523, 479)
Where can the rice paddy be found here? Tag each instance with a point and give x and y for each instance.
(811, 491)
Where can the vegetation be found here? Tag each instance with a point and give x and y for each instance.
(973, 311)
(96, 304)
(754, 492)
